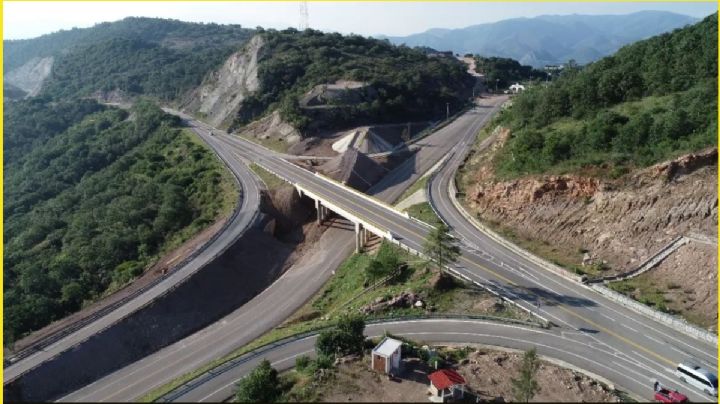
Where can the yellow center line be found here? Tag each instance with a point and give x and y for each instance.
(559, 305)
(506, 280)
(618, 336)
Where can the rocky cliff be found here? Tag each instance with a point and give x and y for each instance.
(621, 222)
(30, 76)
(221, 94)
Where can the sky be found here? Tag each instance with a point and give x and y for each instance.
(31, 19)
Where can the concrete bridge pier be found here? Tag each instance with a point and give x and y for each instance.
(360, 237)
(322, 211)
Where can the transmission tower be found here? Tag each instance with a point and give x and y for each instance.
(304, 18)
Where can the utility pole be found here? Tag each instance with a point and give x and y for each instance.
(496, 84)
(447, 105)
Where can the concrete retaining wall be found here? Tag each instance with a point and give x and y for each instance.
(667, 319)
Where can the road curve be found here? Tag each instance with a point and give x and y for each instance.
(654, 347)
(246, 212)
(641, 349)
(287, 293)
(571, 347)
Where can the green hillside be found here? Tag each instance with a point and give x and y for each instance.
(650, 101)
(92, 195)
(139, 56)
(409, 84)
(505, 71)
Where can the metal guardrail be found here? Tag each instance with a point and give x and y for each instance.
(58, 335)
(244, 358)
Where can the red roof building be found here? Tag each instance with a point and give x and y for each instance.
(446, 385)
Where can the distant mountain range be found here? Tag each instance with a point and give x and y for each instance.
(550, 39)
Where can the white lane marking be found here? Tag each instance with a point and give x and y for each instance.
(607, 317)
(678, 341)
(628, 327)
(173, 349)
(595, 295)
(656, 340)
(583, 357)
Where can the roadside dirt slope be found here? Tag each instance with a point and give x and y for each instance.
(620, 222)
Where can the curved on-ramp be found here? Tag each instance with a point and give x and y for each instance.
(571, 348)
(284, 296)
(242, 217)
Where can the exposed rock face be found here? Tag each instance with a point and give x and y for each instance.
(342, 92)
(272, 127)
(30, 76)
(221, 94)
(622, 221)
(405, 299)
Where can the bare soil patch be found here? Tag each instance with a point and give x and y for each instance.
(684, 283)
(488, 374)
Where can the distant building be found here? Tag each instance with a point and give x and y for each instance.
(441, 54)
(446, 385)
(516, 88)
(386, 356)
(553, 68)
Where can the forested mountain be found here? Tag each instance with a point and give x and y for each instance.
(650, 101)
(550, 39)
(92, 195)
(505, 71)
(171, 34)
(405, 83)
(149, 56)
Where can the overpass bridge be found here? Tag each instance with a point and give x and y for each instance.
(624, 333)
(369, 215)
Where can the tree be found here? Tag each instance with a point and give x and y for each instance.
(525, 386)
(440, 246)
(260, 386)
(385, 262)
(375, 270)
(345, 338)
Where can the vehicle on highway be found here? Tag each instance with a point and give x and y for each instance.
(665, 395)
(699, 377)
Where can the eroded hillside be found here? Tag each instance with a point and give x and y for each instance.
(604, 227)
(222, 92)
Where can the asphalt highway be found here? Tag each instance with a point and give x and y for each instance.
(649, 350)
(250, 203)
(570, 347)
(641, 349)
(653, 347)
(287, 293)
